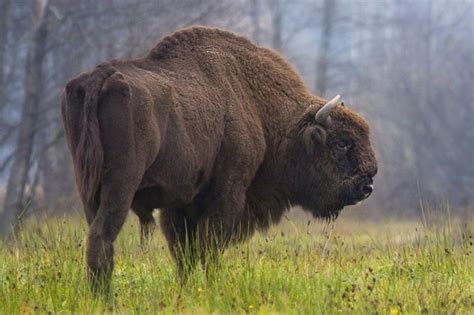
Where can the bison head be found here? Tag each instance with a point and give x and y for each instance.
(332, 162)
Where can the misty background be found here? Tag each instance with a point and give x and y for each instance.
(406, 65)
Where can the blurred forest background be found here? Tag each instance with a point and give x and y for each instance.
(405, 65)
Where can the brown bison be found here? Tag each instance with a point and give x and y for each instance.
(220, 134)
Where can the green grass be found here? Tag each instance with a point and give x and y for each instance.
(351, 267)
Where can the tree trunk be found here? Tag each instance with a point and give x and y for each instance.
(55, 163)
(4, 6)
(14, 199)
(255, 15)
(324, 45)
(277, 20)
(54, 158)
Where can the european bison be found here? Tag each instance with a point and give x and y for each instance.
(220, 134)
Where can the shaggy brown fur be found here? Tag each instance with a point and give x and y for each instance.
(216, 132)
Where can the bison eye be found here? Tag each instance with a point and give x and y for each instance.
(342, 146)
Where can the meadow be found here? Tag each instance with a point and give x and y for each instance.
(349, 267)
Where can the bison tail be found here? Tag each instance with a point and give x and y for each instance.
(87, 150)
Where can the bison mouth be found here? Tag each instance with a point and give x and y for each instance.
(351, 194)
(353, 202)
(359, 193)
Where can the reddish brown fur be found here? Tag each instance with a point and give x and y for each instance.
(216, 132)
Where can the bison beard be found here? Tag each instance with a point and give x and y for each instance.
(219, 134)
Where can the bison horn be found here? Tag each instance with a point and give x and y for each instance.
(323, 113)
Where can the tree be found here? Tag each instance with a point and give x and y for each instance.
(17, 181)
(4, 8)
(255, 16)
(324, 46)
(277, 24)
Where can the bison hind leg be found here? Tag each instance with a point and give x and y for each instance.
(116, 198)
(100, 254)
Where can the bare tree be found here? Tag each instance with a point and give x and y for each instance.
(324, 46)
(4, 8)
(276, 8)
(14, 201)
(255, 16)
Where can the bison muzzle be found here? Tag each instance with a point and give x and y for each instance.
(221, 135)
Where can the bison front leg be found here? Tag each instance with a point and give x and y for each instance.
(180, 233)
(221, 224)
(223, 220)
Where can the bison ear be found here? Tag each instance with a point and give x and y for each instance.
(313, 134)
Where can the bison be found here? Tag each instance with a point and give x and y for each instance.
(218, 133)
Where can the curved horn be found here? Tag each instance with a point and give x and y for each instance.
(324, 112)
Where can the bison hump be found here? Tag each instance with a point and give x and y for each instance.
(191, 39)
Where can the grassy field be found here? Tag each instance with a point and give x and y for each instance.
(347, 267)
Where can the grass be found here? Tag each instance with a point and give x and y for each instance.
(350, 267)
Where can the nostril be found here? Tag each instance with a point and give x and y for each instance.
(368, 189)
